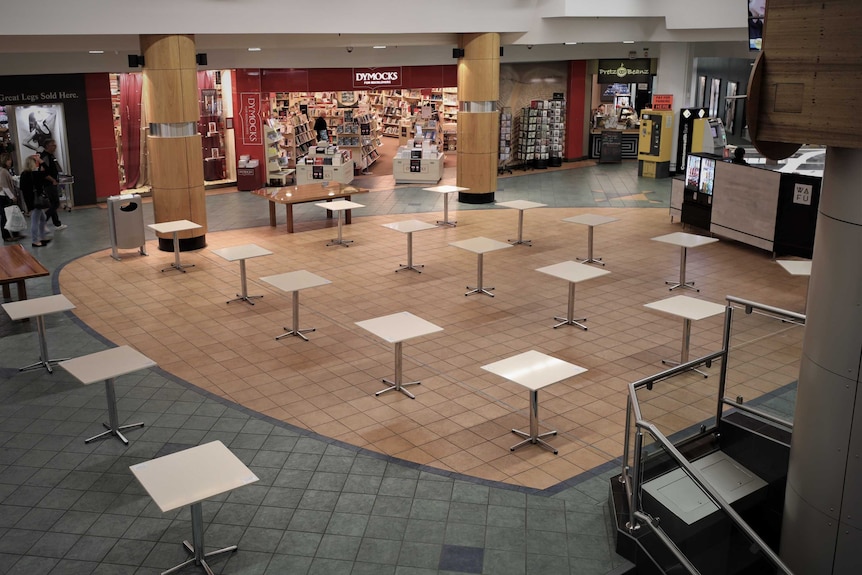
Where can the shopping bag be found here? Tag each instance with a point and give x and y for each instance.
(15, 221)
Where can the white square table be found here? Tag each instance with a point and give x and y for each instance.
(38, 308)
(187, 478)
(684, 241)
(340, 206)
(408, 227)
(591, 221)
(572, 272)
(396, 328)
(175, 227)
(796, 267)
(445, 190)
(242, 253)
(521, 205)
(534, 370)
(480, 246)
(107, 365)
(688, 308)
(293, 282)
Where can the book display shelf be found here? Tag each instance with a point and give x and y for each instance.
(360, 134)
(325, 164)
(541, 133)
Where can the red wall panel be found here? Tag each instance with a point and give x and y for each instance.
(106, 174)
(576, 120)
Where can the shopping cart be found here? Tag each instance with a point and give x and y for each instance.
(67, 196)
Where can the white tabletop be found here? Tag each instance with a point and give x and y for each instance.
(398, 326)
(408, 226)
(796, 267)
(295, 281)
(687, 307)
(192, 475)
(685, 240)
(590, 219)
(480, 245)
(533, 369)
(572, 271)
(175, 226)
(107, 364)
(338, 205)
(37, 306)
(242, 252)
(445, 189)
(521, 204)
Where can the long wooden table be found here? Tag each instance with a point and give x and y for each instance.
(16, 266)
(291, 195)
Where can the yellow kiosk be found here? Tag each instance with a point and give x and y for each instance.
(655, 143)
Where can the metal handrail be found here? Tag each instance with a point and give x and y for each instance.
(758, 413)
(711, 492)
(633, 413)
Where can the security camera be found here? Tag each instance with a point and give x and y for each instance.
(529, 46)
(349, 49)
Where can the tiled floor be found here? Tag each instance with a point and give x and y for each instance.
(303, 415)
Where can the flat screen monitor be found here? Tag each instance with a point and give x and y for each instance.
(692, 173)
(707, 176)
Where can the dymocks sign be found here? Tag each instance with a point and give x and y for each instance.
(251, 120)
(624, 71)
(377, 77)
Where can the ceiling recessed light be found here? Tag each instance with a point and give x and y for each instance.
(628, 41)
(97, 51)
(379, 47)
(254, 49)
(570, 43)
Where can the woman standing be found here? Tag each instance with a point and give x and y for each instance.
(31, 189)
(8, 197)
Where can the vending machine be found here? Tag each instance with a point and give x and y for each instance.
(655, 143)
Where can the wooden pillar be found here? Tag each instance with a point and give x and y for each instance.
(478, 117)
(170, 100)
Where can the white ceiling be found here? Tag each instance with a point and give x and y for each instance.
(309, 34)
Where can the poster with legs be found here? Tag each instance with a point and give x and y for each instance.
(35, 125)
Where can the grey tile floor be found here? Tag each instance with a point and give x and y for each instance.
(320, 507)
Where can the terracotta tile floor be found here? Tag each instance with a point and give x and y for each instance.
(462, 415)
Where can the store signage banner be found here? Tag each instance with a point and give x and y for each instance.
(389, 77)
(662, 101)
(624, 71)
(250, 118)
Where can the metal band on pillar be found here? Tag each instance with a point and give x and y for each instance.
(170, 101)
(478, 119)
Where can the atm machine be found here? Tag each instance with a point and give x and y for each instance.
(708, 135)
(655, 143)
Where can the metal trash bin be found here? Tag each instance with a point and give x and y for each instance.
(126, 223)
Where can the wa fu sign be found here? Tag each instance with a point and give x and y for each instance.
(389, 77)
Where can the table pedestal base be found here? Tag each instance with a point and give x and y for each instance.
(244, 287)
(396, 384)
(339, 241)
(409, 265)
(196, 548)
(570, 314)
(534, 437)
(681, 283)
(590, 259)
(686, 345)
(294, 330)
(177, 265)
(534, 440)
(479, 288)
(113, 427)
(43, 349)
(445, 221)
(520, 239)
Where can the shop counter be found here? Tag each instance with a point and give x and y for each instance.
(628, 145)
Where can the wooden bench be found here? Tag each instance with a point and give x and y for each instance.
(291, 195)
(16, 266)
